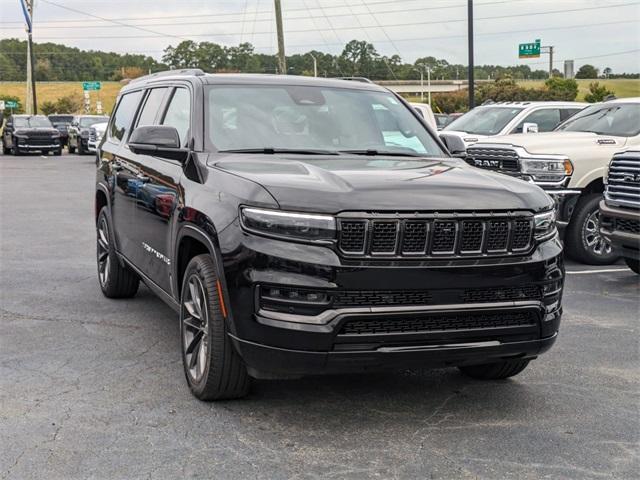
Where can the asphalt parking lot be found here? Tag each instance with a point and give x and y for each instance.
(94, 388)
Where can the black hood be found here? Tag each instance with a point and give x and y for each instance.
(36, 131)
(334, 184)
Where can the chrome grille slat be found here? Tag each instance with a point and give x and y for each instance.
(623, 186)
(435, 237)
(503, 159)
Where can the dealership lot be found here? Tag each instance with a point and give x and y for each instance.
(93, 388)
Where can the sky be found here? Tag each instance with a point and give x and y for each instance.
(604, 33)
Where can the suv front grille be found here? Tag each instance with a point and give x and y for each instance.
(440, 322)
(626, 225)
(434, 236)
(623, 187)
(502, 159)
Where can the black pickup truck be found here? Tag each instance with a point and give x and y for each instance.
(303, 226)
(30, 133)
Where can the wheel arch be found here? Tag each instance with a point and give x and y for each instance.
(101, 200)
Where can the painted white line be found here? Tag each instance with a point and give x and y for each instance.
(604, 270)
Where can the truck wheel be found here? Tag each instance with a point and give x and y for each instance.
(5, 150)
(583, 240)
(80, 148)
(116, 280)
(495, 371)
(72, 149)
(213, 368)
(633, 264)
(58, 152)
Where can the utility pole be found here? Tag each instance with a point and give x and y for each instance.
(429, 83)
(315, 64)
(421, 82)
(282, 60)
(31, 103)
(472, 99)
(550, 52)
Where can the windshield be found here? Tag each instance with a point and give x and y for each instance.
(314, 120)
(32, 122)
(89, 121)
(618, 119)
(61, 119)
(484, 120)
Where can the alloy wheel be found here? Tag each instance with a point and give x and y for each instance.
(591, 237)
(104, 259)
(195, 326)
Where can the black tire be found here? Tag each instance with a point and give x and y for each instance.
(72, 149)
(58, 152)
(5, 150)
(582, 238)
(212, 367)
(495, 371)
(81, 150)
(633, 264)
(45, 152)
(116, 280)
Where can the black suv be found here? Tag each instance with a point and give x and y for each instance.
(620, 209)
(302, 226)
(30, 133)
(62, 124)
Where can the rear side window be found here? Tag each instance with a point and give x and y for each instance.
(179, 114)
(151, 106)
(123, 116)
(547, 119)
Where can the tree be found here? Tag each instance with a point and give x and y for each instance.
(47, 108)
(561, 89)
(358, 58)
(587, 71)
(606, 72)
(67, 105)
(597, 93)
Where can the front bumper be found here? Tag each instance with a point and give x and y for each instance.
(616, 225)
(377, 335)
(26, 145)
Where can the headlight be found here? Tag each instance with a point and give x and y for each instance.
(547, 169)
(300, 226)
(544, 225)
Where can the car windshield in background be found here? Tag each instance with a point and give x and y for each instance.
(618, 119)
(88, 122)
(32, 122)
(61, 119)
(484, 120)
(314, 120)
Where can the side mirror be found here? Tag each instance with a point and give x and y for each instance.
(530, 128)
(454, 144)
(159, 141)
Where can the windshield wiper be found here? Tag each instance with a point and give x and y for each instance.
(272, 151)
(383, 153)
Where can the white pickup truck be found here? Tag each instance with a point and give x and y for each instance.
(504, 118)
(569, 164)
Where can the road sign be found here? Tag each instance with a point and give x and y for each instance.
(90, 86)
(529, 50)
(11, 104)
(99, 107)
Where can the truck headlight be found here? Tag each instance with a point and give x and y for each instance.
(544, 225)
(547, 169)
(297, 226)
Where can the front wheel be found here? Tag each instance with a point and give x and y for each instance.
(71, 149)
(116, 280)
(583, 239)
(5, 150)
(213, 369)
(495, 371)
(633, 264)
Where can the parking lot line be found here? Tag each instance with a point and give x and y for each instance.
(602, 270)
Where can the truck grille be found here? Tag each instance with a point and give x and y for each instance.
(499, 159)
(623, 187)
(440, 322)
(433, 236)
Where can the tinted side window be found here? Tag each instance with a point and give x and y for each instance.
(546, 119)
(151, 106)
(569, 112)
(123, 116)
(179, 113)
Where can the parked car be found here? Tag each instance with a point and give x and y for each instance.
(79, 132)
(620, 208)
(569, 164)
(442, 120)
(96, 132)
(30, 133)
(425, 111)
(504, 118)
(306, 225)
(62, 123)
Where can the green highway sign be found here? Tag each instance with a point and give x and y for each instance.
(90, 86)
(11, 104)
(529, 50)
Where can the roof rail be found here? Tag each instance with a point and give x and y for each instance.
(192, 72)
(356, 79)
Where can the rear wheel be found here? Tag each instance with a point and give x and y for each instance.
(116, 280)
(81, 150)
(213, 369)
(495, 371)
(633, 264)
(58, 152)
(5, 150)
(583, 239)
(71, 149)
